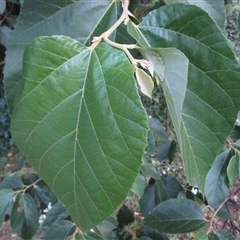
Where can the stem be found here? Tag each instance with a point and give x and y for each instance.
(221, 205)
(31, 185)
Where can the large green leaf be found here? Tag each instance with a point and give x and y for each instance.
(176, 216)
(215, 9)
(79, 19)
(212, 97)
(79, 120)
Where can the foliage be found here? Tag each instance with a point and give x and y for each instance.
(74, 74)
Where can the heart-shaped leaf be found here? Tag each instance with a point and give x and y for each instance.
(79, 120)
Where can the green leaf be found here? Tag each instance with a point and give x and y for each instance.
(223, 235)
(139, 185)
(176, 216)
(215, 9)
(14, 182)
(156, 126)
(204, 236)
(55, 214)
(191, 30)
(107, 228)
(215, 188)
(233, 168)
(149, 200)
(60, 230)
(168, 187)
(79, 120)
(147, 168)
(51, 17)
(89, 236)
(5, 198)
(24, 216)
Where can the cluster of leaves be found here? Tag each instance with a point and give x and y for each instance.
(77, 116)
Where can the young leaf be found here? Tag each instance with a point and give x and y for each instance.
(215, 188)
(24, 216)
(176, 216)
(145, 82)
(51, 17)
(60, 230)
(147, 168)
(79, 119)
(233, 168)
(5, 198)
(191, 30)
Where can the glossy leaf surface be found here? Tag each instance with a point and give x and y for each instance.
(176, 216)
(79, 120)
(191, 30)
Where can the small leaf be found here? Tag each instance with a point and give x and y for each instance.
(60, 230)
(149, 200)
(107, 228)
(24, 216)
(139, 185)
(168, 187)
(176, 216)
(55, 214)
(215, 188)
(14, 182)
(233, 168)
(147, 168)
(223, 235)
(163, 150)
(156, 126)
(145, 82)
(5, 198)
(89, 236)
(152, 234)
(151, 143)
(204, 236)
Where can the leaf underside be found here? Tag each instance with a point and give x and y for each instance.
(79, 120)
(212, 98)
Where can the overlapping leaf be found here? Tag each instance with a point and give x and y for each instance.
(176, 216)
(79, 19)
(215, 9)
(80, 122)
(212, 100)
